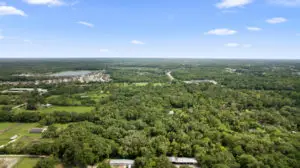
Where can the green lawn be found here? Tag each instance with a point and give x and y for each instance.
(77, 109)
(141, 84)
(5, 125)
(20, 129)
(27, 163)
(61, 126)
(96, 96)
(145, 84)
(138, 84)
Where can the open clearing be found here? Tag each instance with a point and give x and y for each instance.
(5, 125)
(27, 163)
(20, 129)
(76, 109)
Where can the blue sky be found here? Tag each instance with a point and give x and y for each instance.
(258, 29)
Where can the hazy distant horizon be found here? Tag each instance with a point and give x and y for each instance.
(160, 58)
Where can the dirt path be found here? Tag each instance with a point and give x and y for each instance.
(170, 76)
(18, 156)
(19, 106)
(8, 162)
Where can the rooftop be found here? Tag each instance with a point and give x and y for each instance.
(37, 130)
(121, 161)
(182, 160)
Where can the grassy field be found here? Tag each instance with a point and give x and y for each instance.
(138, 84)
(5, 125)
(77, 109)
(141, 84)
(145, 84)
(27, 163)
(20, 129)
(62, 126)
(96, 96)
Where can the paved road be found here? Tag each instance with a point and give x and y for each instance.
(17, 156)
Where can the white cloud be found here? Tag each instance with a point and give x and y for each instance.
(232, 3)
(10, 10)
(1, 37)
(286, 2)
(254, 28)
(232, 45)
(221, 32)
(276, 20)
(137, 42)
(104, 50)
(45, 2)
(86, 24)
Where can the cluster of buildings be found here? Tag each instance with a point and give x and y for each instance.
(176, 161)
(22, 90)
(86, 78)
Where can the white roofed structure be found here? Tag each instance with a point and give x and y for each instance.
(179, 161)
(21, 90)
(121, 163)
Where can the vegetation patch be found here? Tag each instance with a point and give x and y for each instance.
(76, 109)
(19, 129)
(27, 163)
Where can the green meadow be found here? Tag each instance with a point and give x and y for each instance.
(8, 130)
(27, 163)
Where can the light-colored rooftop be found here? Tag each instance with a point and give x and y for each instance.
(121, 161)
(19, 90)
(182, 160)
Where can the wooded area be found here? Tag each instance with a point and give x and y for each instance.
(251, 118)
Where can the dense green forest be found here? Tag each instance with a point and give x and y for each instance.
(251, 118)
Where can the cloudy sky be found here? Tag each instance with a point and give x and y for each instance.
(264, 29)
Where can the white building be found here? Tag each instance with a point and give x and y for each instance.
(22, 90)
(180, 161)
(121, 163)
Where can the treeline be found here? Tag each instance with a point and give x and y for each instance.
(46, 118)
(270, 76)
(219, 126)
(138, 75)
